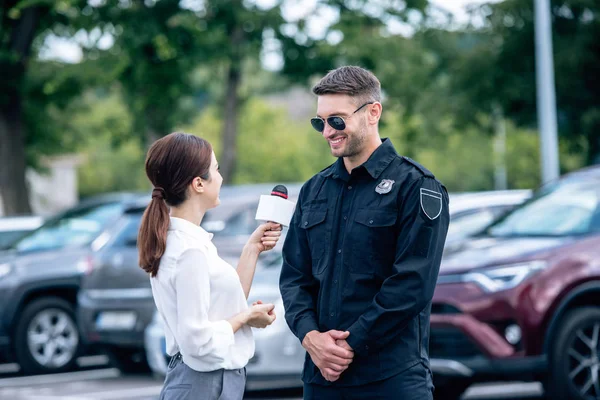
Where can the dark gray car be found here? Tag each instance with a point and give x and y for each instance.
(39, 281)
(115, 301)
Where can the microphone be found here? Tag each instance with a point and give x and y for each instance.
(276, 207)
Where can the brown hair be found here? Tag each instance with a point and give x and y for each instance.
(171, 165)
(353, 81)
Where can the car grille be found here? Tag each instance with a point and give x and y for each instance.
(450, 343)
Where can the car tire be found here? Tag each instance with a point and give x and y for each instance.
(451, 390)
(574, 355)
(129, 361)
(46, 337)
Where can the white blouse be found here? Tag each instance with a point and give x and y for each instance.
(196, 292)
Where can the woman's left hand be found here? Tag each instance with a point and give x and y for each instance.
(265, 237)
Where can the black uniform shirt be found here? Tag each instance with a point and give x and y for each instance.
(362, 254)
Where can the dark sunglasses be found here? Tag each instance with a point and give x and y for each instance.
(336, 123)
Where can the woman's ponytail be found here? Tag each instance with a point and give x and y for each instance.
(152, 237)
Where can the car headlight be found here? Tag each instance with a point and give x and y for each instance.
(5, 270)
(499, 278)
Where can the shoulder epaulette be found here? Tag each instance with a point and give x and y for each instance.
(418, 166)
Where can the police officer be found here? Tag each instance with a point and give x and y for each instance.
(362, 254)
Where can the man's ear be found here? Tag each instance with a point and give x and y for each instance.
(198, 185)
(375, 113)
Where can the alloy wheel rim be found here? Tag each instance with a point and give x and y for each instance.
(583, 361)
(52, 338)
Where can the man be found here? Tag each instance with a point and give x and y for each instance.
(362, 254)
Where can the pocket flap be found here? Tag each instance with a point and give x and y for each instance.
(376, 218)
(312, 218)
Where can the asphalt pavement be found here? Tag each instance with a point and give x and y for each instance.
(95, 382)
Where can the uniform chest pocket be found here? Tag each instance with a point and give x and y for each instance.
(313, 222)
(374, 240)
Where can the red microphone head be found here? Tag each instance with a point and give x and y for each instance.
(280, 191)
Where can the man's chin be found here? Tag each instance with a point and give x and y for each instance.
(337, 152)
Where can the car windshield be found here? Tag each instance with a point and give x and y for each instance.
(75, 228)
(566, 209)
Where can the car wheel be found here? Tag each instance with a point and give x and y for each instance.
(46, 337)
(574, 361)
(129, 361)
(451, 390)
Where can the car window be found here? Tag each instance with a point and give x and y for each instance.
(75, 228)
(466, 224)
(568, 209)
(240, 224)
(8, 238)
(127, 236)
(472, 222)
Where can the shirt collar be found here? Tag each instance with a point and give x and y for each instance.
(375, 165)
(183, 225)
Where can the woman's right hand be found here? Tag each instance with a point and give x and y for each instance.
(260, 315)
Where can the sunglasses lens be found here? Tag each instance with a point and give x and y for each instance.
(318, 124)
(336, 123)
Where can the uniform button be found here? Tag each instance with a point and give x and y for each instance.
(339, 251)
(366, 347)
(305, 223)
(345, 217)
(332, 314)
(349, 187)
(371, 221)
(335, 282)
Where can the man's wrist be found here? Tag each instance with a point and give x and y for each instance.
(306, 343)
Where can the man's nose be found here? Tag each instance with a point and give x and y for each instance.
(328, 131)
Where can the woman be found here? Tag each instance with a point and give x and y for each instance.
(201, 298)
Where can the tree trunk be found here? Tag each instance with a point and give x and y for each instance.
(227, 161)
(13, 186)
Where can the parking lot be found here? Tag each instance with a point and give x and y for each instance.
(98, 381)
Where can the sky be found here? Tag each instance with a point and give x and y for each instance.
(69, 51)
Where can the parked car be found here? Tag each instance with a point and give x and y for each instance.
(279, 356)
(472, 212)
(115, 301)
(520, 300)
(39, 280)
(14, 228)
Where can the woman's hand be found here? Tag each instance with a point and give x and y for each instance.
(265, 237)
(261, 315)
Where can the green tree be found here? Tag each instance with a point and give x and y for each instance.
(273, 149)
(499, 66)
(23, 28)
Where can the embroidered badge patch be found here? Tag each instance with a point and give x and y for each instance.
(385, 186)
(431, 203)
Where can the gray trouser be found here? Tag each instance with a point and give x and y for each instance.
(184, 383)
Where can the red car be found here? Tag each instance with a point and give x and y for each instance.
(521, 301)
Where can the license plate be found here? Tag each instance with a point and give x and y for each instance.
(116, 320)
